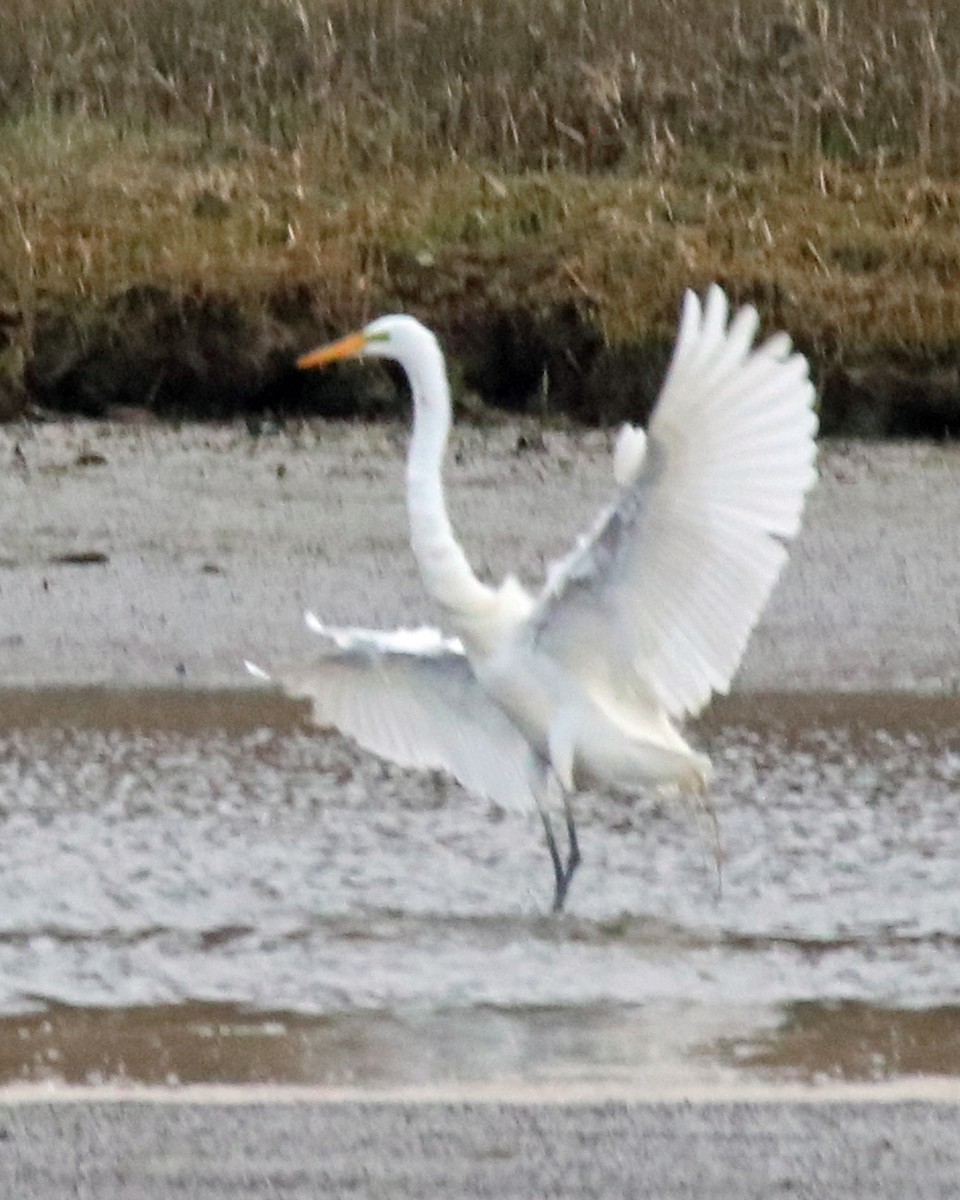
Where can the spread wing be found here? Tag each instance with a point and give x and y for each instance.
(411, 696)
(659, 599)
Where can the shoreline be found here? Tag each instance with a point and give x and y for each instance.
(913, 1089)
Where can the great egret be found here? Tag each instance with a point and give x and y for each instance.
(646, 617)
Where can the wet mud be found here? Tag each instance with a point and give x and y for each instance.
(198, 887)
(202, 888)
(143, 556)
(195, 1044)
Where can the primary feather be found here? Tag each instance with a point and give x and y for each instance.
(664, 593)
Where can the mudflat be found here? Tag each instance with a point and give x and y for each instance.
(139, 557)
(148, 555)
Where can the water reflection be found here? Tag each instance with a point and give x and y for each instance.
(851, 1041)
(653, 1047)
(199, 1043)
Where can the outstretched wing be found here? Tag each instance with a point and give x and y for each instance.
(659, 600)
(411, 697)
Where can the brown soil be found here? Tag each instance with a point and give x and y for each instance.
(152, 350)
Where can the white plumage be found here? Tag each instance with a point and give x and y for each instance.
(646, 618)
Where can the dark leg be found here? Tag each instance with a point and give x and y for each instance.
(573, 859)
(563, 874)
(542, 783)
(559, 874)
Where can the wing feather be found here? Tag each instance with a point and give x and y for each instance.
(411, 696)
(660, 598)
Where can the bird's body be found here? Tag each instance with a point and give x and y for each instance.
(644, 620)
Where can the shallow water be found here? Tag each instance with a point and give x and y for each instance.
(197, 886)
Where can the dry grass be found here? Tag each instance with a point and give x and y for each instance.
(842, 254)
(575, 84)
(383, 152)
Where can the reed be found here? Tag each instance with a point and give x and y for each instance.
(572, 84)
(450, 156)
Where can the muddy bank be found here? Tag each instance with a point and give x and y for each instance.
(145, 555)
(151, 351)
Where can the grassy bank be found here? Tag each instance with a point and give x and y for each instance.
(232, 180)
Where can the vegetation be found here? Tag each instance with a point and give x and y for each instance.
(264, 170)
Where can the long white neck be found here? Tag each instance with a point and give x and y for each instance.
(443, 565)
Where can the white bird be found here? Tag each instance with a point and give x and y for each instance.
(637, 627)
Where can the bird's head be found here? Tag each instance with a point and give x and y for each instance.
(398, 336)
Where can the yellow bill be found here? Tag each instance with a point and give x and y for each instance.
(346, 347)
